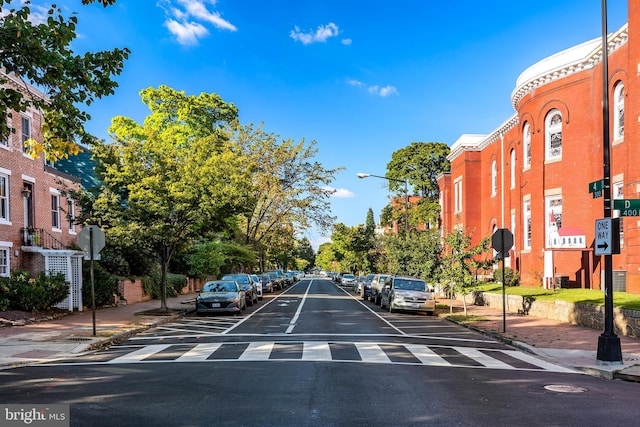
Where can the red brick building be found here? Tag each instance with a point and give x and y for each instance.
(36, 219)
(532, 173)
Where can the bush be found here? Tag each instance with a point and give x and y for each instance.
(104, 285)
(5, 294)
(152, 285)
(511, 277)
(36, 294)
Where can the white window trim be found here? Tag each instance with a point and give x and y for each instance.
(494, 178)
(526, 146)
(526, 244)
(548, 130)
(72, 216)
(513, 168)
(617, 137)
(457, 194)
(7, 220)
(55, 192)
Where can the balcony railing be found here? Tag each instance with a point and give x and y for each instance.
(39, 238)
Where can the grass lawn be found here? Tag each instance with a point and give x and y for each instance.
(586, 296)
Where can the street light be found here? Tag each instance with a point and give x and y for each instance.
(362, 175)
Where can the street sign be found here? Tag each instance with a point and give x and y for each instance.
(502, 241)
(604, 233)
(627, 207)
(84, 239)
(596, 187)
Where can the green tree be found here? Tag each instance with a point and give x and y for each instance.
(326, 258)
(173, 178)
(305, 252)
(288, 187)
(462, 262)
(40, 54)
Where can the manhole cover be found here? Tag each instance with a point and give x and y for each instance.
(559, 388)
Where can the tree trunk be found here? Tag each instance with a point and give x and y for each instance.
(163, 281)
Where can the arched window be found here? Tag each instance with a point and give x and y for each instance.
(494, 178)
(553, 127)
(618, 111)
(526, 145)
(513, 168)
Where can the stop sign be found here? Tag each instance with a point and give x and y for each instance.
(88, 233)
(502, 240)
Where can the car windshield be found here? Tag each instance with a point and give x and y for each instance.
(240, 278)
(348, 276)
(220, 287)
(265, 278)
(411, 285)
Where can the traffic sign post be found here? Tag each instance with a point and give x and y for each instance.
(604, 231)
(502, 242)
(91, 240)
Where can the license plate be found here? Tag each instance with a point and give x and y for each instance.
(415, 305)
(215, 305)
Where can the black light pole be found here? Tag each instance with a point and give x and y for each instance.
(406, 197)
(609, 351)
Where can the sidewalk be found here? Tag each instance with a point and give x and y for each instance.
(72, 334)
(561, 343)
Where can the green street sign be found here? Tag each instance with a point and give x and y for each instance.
(596, 187)
(627, 207)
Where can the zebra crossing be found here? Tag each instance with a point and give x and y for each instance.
(329, 351)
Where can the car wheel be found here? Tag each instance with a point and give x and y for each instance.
(378, 300)
(390, 309)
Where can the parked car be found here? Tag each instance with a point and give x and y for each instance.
(267, 283)
(357, 284)
(256, 279)
(365, 292)
(277, 276)
(220, 296)
(347, 279)
(376, 287)
(289, 278)
(246, 284)
(407, 293)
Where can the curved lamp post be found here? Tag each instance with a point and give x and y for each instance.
(406, 196)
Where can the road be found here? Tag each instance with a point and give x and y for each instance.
(316, 355)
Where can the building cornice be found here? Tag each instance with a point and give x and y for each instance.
(573, 60)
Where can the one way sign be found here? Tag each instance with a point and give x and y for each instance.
(607, 240)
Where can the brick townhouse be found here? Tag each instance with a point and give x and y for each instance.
(531, 174)
(36, 219)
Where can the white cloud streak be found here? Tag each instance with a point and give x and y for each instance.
(186, 19)
(322, 33)
(339, 193)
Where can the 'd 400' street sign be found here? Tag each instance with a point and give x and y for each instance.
(627, 207)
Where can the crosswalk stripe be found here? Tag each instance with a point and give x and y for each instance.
(426, 356)
(140, 354)
(483, 358)
(537, 362)
(199, 353)
(318, 351)
(257, 351)
(372, 353)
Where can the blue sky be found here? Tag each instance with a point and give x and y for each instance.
(361, 78)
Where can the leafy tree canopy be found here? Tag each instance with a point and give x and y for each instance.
(38, 53)
(420, 163)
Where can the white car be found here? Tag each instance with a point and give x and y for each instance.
(407, 293)
(347, 280)
(258, 282)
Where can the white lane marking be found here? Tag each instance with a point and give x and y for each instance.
(257, 351)
(318, 351)
(372, 353)
(292, 324)
(368, 308)
(140, 354)
(199, 352)
(537, 362)
(426, 356)
(481, 357)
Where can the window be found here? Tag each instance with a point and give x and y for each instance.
(4, 197)
(26, 132)
(526, 145)
(5, 142)
(72, 216)
(553, 126)
(494, 178)
(526, 208)
(618, 111)
(553, 216)
(55, 211)
(4, 262)
(513, 168)
(457, 195)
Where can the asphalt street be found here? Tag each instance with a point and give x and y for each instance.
(316, 354)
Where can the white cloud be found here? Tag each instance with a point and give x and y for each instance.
(346, 42)
(186, 19)
(340, 193)
(186, 33)
(355, 82)
(321, 34)
(383, 91)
